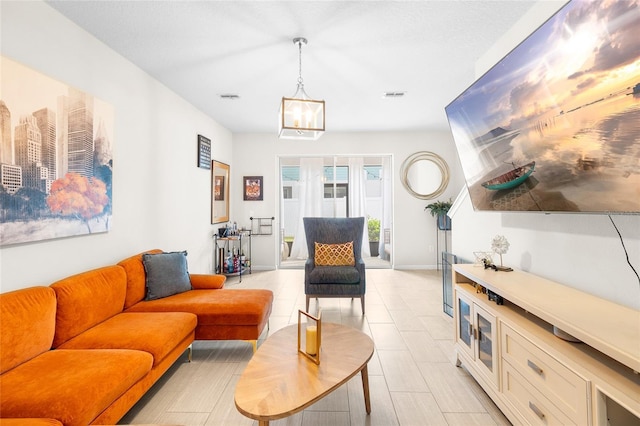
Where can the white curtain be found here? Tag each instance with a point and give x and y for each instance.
(387, 206)
(284, 248)
(358, 198)
(311, 186)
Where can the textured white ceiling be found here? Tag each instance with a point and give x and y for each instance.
(357, 50)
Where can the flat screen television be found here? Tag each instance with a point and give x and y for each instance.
(554, 126)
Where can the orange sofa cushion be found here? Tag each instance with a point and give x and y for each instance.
(87, 299)
(27, 325)
(161, 332)
(207, 282)
(218, 307)
(136, 278)
(72, 386)
(227, 307)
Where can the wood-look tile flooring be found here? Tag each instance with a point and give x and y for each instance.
(412, 376)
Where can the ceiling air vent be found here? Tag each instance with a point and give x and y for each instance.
(230, 96)
(393, 95)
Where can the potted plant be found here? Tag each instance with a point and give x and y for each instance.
(373, 226)
(439, 209)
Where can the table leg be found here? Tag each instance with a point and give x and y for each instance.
(365, 388)
(263, 422)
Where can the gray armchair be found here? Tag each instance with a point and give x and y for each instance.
(334, 281)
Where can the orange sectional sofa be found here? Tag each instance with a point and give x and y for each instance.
(85, 349)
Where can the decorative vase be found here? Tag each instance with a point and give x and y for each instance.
(444, 222)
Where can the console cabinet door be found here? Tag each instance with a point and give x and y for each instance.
(476, 336)
(464, 327)
(486, 346)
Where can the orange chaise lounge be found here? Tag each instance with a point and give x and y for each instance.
(85, 349)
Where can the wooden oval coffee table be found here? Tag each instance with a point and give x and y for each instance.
(278, 381)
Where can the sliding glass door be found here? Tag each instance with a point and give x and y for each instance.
(335, 186)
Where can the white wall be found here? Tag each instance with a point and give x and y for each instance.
(414, 230)
(578, 250)
(160, 198)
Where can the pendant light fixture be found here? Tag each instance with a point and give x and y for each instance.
(300, 116)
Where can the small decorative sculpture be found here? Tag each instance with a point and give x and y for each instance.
(500, 246)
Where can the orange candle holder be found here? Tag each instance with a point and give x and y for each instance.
(311, 345)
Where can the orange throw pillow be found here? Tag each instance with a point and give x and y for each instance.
(334, 254)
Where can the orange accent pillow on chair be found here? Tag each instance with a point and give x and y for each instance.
(334, 254)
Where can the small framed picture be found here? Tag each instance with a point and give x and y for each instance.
(252, 188)
(204, 152)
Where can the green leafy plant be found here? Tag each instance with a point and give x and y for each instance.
(439, 207)
(373, 225)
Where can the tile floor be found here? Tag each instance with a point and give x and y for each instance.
(412, 377)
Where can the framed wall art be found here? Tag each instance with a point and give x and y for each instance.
(204, 152)
(219, 192)
(252, 188)
(56, 163)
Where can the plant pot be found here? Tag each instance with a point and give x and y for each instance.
(444, 222)
(373, 248)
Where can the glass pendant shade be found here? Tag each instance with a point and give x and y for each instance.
(301, 118)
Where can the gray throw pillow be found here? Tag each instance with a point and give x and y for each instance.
(166, 274)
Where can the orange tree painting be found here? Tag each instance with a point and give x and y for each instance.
(79, 197)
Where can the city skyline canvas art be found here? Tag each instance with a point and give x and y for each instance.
(56, 164)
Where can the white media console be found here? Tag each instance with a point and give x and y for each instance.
(534, 376)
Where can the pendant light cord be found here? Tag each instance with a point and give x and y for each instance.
(300, 83)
